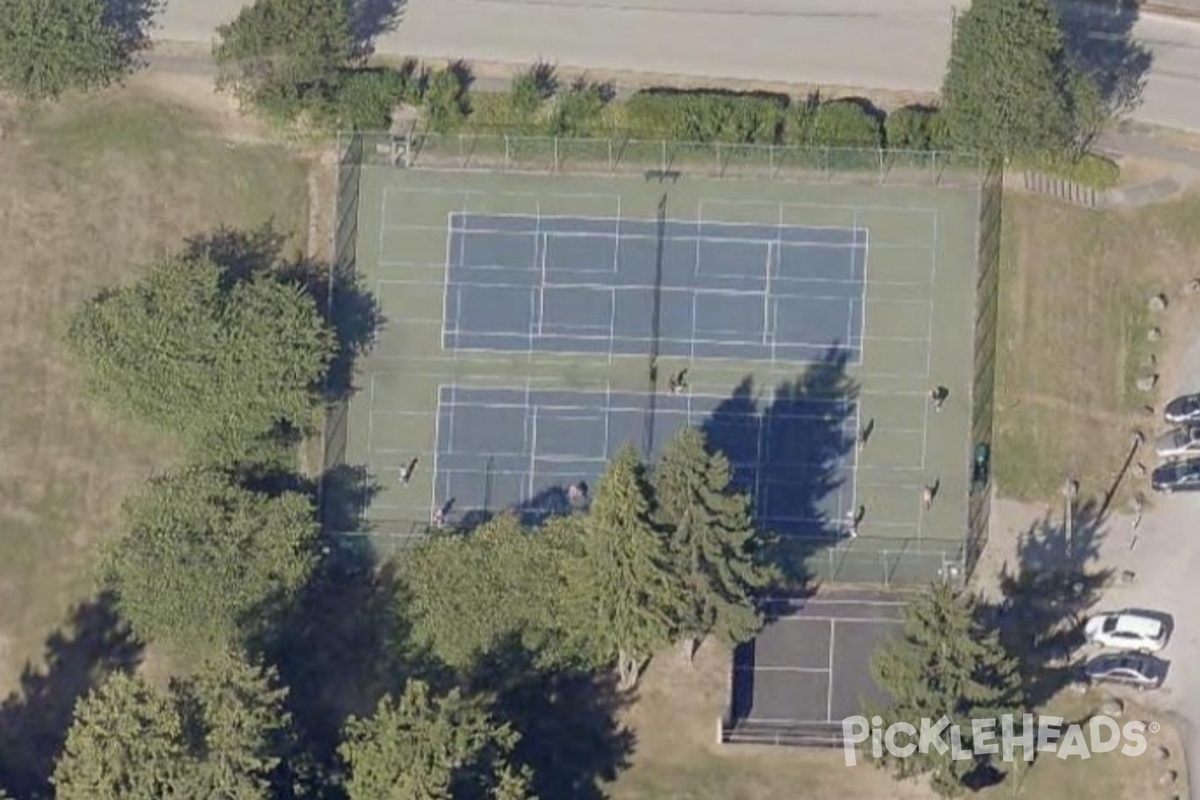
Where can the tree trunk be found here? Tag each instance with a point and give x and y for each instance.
(690, 645)
(628, 670)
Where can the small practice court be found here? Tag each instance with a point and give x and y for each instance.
(534, 324)
(811, 662)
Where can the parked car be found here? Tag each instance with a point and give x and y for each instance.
(1177, 476)
(1127, 630)
(1179, 442)
(1139, 670)
(1183, 410)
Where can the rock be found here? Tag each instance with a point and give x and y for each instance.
(1157, 303)
(1162, 753)
(1168, 778)
(1191, 287)
(1154, 334)
(1128, 576)
(1147, 383)
(1113, 708)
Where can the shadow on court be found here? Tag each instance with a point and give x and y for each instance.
(794, 461)
(34, 721)
(1046, 596)
(570, 734)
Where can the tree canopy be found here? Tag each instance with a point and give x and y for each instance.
(206, 562)
(466, 594)
(220, 733)
(48, 47)
(710, 539)
(623, 600)
(946, 663)
(1008, 87)
(422, 746)
(224, 363)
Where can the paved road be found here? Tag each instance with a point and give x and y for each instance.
(885, 44)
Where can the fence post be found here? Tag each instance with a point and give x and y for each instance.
(507, 152)
(720, 165)
(771, 160)
(882, 173)
(933, 168)
(664, 155)
(611, 166)
(556, 154)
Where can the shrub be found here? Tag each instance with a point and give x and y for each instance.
(531, 88)
(365, 99)
(706, 116)
(579, 111)
(446, 98)
(845, 123)
(913, 127)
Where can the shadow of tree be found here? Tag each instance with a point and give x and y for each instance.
(1046, 596)
(790, 457)
(336, 651)
(34, 721)
(570, 734)
(372, 18)
(133, 20)
(1099, 38)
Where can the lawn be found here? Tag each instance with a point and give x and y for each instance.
(92, 190)
(1073, 336)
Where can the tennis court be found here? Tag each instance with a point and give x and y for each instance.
(535, 323)
(694, 289)
(522, 448)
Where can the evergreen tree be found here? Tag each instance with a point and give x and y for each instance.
(710, 540)
(1008, 86)
(623, 598)
(947, 663)
(220, 733)
(421, 746)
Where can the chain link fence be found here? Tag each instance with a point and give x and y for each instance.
(668, 159)
(983, 389)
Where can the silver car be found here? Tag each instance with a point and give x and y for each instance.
(1139, 670)
(1179, 442)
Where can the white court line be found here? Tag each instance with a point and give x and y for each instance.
(370, 415)
(539, 238)
(759, 668)
(829, 687)
(437, 421)
(834, 206)
(933, 290)
(532, 453)
(646, 237)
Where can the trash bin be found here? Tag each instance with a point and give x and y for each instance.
(979, 467)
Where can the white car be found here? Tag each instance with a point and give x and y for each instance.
(1128, 630)
(1179, 442)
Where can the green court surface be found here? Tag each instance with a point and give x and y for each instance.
(917, 332)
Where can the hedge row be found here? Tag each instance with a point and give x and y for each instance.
(704, 116)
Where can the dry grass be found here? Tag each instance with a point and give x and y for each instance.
(1073, 321)
(92, 189)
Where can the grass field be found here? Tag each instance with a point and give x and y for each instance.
(1074, 323)
(92, 190)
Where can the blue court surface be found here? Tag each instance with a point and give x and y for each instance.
(691, 289)
(502, 449)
